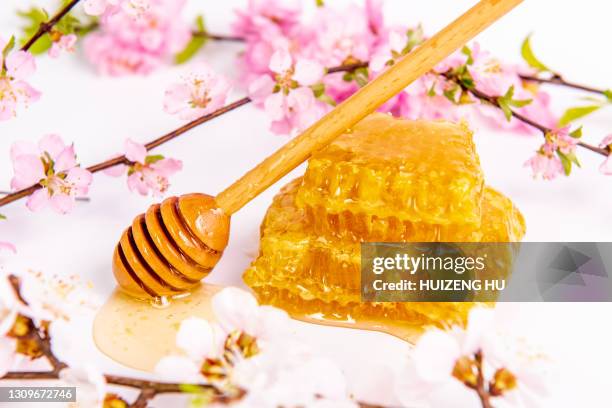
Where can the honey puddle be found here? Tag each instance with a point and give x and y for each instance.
(137, 334)
(404, 332)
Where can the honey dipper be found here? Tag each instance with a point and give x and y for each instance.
(176, 243)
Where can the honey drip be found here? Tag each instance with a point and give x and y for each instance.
(138, 334)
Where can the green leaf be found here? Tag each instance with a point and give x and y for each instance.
(153, 158)
(566, 162)
(451, 94)
(318, 89)
(9, 47)
(530, 58)
(327, 99)
(194, 45)
(320, 3)
(362, 76)
(34, 17)
(573, 114)
(68, 24)
(468, 52)
(2, 217)
(503, 104)
(576, 134)
(608, 94)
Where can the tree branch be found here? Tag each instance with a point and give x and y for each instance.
(492, 100)
(559, 80)
(45, 27)
(217, 37)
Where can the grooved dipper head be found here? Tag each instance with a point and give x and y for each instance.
(171, 247)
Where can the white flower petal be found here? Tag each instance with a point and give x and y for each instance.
(235, 309)
(196, 338)
(435, 355)
(177, 368)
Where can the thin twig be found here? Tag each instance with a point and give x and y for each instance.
(217, 37)
(559, 80)
(46, 26)
(481, 388)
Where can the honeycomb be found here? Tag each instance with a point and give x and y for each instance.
(309, 260)
(307, 272)
(413, 170)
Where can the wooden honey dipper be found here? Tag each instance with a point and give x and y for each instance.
(176, 244)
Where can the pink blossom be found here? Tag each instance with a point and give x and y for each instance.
(52, 165)
(98, 7)
(390, 50)
(65, 43)
(8, 246)
(138, 37)
(606, 166)
(267, 17)
(341, 36)
(286, 97)
(203, 91)
(490, 75)
(374, 13)
(14, 90)
(545, 164)
(146, 173)
(424, 99)
(105, 8)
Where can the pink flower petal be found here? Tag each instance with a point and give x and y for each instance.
(22, 148)
(95, 7)
(308, 72)
(55, 50)
(176, 98)
(66, 160)
(29, 170)
(25, 92)
(275, 106)
(136, 183)
(281, 61)
(261, 88)
(52, 144)
(80, 178)
(20, 64)
(607, 141)
(167, 167)
(116, 171)
(8, 246)
(38, 200)
(135, 152)
(62, 203)
(606, 166)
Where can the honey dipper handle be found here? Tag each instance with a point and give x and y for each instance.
(364, 102)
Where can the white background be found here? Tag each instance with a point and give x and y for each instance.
(98, 113)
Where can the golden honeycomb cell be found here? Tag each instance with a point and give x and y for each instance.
(311, 265)
(415, 171)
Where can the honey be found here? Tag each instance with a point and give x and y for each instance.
(353, 192)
